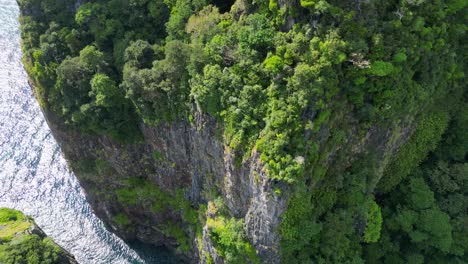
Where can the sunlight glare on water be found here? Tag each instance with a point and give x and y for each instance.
(34, 177)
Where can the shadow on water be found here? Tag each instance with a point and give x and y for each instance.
(152, 254)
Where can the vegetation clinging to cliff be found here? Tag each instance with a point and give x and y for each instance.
(19, 245)
(282, 77)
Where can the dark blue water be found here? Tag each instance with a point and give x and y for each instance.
(34, 177)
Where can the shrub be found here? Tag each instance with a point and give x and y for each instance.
(229, 238)
(381, 68)
(374, 223)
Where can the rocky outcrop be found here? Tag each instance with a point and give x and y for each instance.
(20, 237)
(181, 155)
(328, 93)
(192, 157)
(64, 257)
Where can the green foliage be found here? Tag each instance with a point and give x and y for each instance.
(104, 90)
(297, 85)
(209, 259)
(12, 222)
(91, 59)
(206, 91)
(159, 93)
(338, 244)
(63, 57)
(272, 5)
(18, 245)
(308, 3)
(140, 53)
(437, 225)
(423, 140)
(256, 33)
(425, 212)
(84, 13)
(381, 68)
(142, 192)
(157, 155)
(453, 146)
(299, 225)
(178, 233)
(7, 215)
(426, 225)
(230, 241)
(374, 223)
(400, 57)
(274, 64)
(138, 192)
(180, 13)
(121, 219)
(421, 196)
(29, 249)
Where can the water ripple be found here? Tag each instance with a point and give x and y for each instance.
(34, 177)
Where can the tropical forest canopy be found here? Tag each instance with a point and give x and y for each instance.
(274, 74)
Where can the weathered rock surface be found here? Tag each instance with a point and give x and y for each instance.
(192, 157)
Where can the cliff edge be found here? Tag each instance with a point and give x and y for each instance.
(22, 241)
(261, 131)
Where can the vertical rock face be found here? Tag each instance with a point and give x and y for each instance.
(191, 157)
(176, 156)
(325, 93)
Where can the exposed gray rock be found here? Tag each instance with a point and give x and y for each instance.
(192, 156)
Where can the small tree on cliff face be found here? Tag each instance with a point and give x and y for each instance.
(92, 59)
(72, 86)
(105, 91)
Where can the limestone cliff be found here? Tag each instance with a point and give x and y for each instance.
(247, 131)
(192, 157)
(173, 157)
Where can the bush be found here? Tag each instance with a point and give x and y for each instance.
(229, 239)
(374, 223)
(30, 249)
(381, 68)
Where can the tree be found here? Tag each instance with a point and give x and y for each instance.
(140, 54)
(105, 91)
(72, 86)
(92, 59)
(437, 224)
